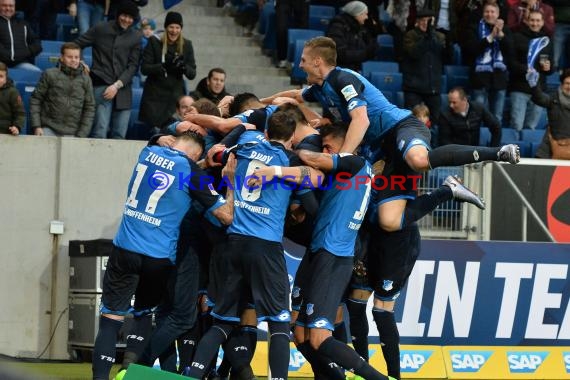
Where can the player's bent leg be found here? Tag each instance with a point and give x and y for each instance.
(390, 215)
(383, 313)
(208, 348)
(462, 193)
(417, 158)
(323, 342)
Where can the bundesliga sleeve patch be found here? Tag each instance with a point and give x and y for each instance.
(349, 92)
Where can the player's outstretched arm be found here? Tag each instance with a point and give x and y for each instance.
(295, 94)
(215, 123)
(316, 160)
(356, 130)
(297, 174)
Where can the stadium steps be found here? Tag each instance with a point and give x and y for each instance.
(219, 42)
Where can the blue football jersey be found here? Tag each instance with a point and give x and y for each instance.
(258, 117)
(160, 192)
(344, 90)
(259, 212)
(343, 205)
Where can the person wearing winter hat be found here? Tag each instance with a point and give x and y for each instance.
(116, 54)
(165, 62)
(354, 42)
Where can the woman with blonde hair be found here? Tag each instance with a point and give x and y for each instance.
(165, 62)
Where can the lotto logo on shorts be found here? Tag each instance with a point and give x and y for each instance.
(525, 362)
(566, 357)
(469, 361)
(412, 361)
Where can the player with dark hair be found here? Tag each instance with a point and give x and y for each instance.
(164, 182)
(255, 264)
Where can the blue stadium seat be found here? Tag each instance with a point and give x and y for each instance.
(53, 47)
(385, 47)
(24, 75)
(525, 147)
(137, 96)
(532, 136)
(457, 76)
(294, 35)
(26, 89)
(297, 74)
(509, 135)
(444, 102)
(320, 16)
(386, 66)
(66, 27)
(484, 136)
(533, 148)
(387, 81)
(400, 99)
(444, 87)
(543, 122)
(47, 60)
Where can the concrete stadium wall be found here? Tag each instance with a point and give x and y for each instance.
(81, 182)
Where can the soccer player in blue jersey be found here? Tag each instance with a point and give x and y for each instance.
(379, 127)
(254, 254)
(163, 184)
(331, 257)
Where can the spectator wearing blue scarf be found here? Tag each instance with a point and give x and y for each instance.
(491, 43)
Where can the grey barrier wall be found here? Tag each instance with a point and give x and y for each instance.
(81, 182)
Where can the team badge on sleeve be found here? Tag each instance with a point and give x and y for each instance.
(348, 92)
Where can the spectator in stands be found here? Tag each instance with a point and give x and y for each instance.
(446, 23)
(353, 41)
(289, 14)
(519, 13)
(491, 43)
(422, 64)
(90, 13)
(12, 113)
(116, 54)
(62, 103)
(421, 111)
(165, 62)
(524, 112)
(19, 45)
(213, 87)
(461, 122)
(561, 33)
(403, 13)
(558, 107)
(184, 105)
(42, 15)
(147, 26)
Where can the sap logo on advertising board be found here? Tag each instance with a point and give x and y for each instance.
(469, 361)
(412, 361)
(566, 356)
(296, 360)
(525, 362)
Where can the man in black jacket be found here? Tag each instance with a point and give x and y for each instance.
(461, 122)
(18, 44)
(116, 57)
(422, 65)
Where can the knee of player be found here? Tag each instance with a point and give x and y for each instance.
(318, 336)
(417, 158)
(390, 222)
